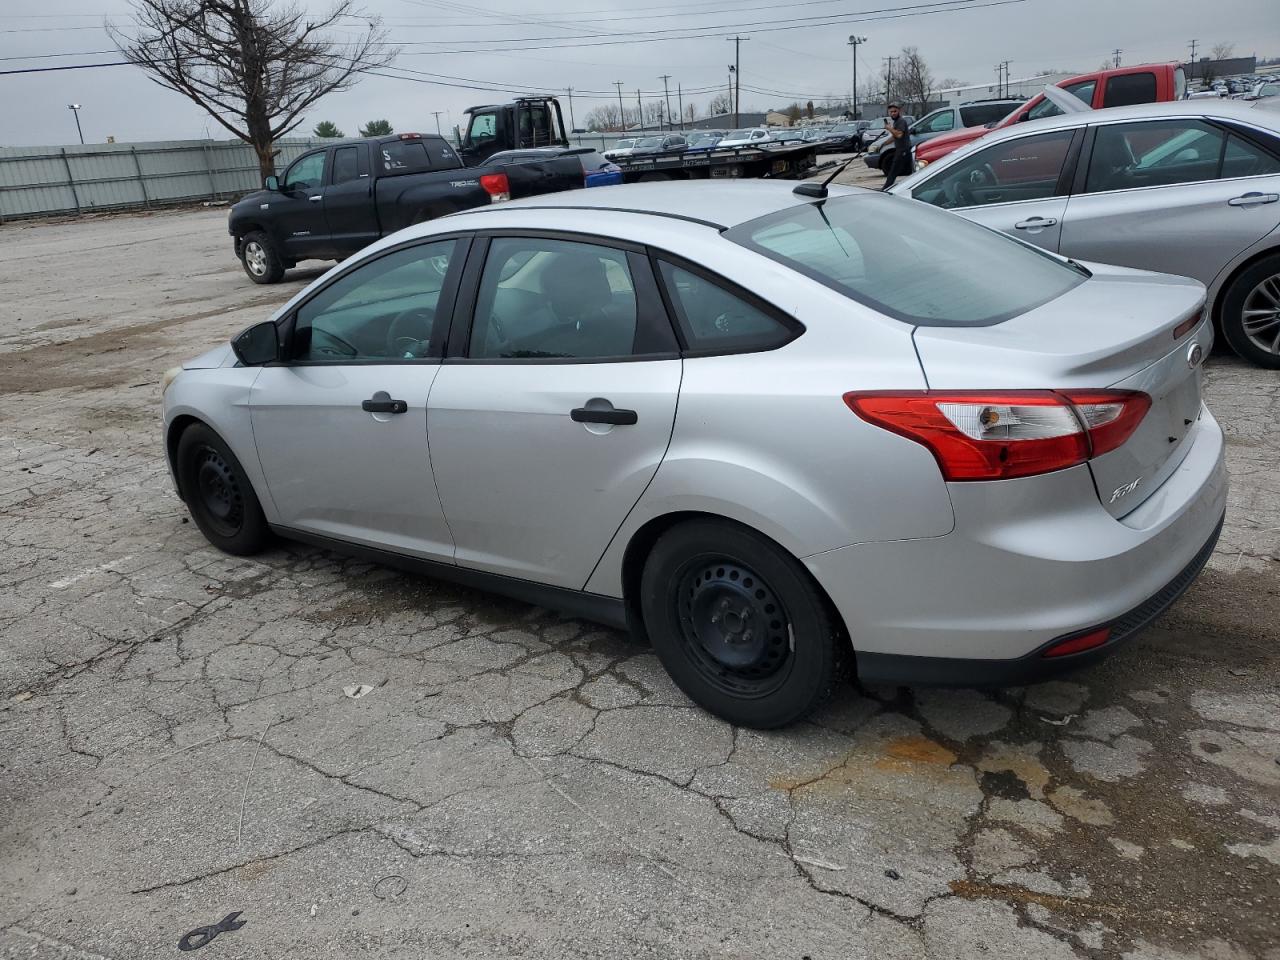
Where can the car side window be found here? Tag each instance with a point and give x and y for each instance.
(943, 122)
(1024, 168)
(307, 173)
(715, 320)
(1082, 91)
(1245, 159)
(561, 299)
(1128, 89)
(1154, 153)
(346, 164)
(382, 311)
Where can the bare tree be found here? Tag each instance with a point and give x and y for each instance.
(1223, 51)
(603, 117)
(913, 81)
(253, 65)
(721, 103)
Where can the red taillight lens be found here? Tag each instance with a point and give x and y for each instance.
(1085, 641)
(496, 185)
(1187, 325)
(983, 435)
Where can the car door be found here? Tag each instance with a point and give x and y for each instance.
(298, 211)
(555, 406)
(349, 208)
(341, 424)
(1017, 185)
(1179, 195)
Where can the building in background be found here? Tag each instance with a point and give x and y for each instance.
(1230, 67)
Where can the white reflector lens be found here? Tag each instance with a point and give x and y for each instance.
(1096, 414)
(989, 421)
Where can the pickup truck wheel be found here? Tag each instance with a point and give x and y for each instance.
(260, 260)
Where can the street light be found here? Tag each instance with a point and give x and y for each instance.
(75, 108)
(853, 45)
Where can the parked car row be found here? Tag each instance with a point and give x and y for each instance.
(982, 113)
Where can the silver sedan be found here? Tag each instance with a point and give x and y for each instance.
(777, 434)
(1191, 188)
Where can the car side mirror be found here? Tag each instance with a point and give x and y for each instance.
(272, 182)
(258, 345)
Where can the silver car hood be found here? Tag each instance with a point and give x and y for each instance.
(222, 356)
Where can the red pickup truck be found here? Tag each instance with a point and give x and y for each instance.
(1147, 83)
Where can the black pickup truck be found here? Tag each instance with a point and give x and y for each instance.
(336, 199)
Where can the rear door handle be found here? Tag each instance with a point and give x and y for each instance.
(622, 418)
(1253, 198)
(384, 406)
(317, 198)
(1034, 223)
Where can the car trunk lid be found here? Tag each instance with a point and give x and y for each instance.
(1117, 331)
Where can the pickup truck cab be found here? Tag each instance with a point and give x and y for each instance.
(336, 199)
(1121, 87)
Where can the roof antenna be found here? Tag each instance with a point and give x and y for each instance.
(819, 190)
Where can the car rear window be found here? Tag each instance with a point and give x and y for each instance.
(417, 156)
(1128, 89)
(912, 262)
(980, 114)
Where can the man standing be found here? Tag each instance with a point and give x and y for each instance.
(897, 127)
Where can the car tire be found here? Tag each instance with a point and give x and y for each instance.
(218, 493)
(739, 624)
(1254, 336)
(259, 258)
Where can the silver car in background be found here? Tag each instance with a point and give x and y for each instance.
(776, 431)
(1189, 188)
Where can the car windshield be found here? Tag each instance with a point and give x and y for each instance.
(649, 142)
(915, 263)
(624, 144)
(740, 134)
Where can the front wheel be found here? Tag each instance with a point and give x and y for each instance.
(218, 493)
(260, 260)
(739, 625)
(1251, 314)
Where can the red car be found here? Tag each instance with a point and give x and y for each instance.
(1148, 83)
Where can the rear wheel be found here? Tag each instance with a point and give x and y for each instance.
(218, 493)
(261, 261)
(738, 624)
(1251, 313)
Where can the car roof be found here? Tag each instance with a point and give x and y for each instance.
(718, 204)
(1226, 109)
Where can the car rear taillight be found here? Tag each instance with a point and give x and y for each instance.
(988, 435)
(496, 185)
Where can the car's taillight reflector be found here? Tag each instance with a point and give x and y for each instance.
(496, 185)
(1078, 644)
(1187, 325)
(988, 435)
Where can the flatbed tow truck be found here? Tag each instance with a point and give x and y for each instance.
(531, 122)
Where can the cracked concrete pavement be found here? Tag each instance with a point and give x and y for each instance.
(176, 743)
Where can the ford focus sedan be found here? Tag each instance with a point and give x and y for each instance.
(778, 435)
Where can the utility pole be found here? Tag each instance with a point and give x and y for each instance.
(1193, 44)
(737, 76)
(640, 107)
(888, 81)
(75, 108)
(680, 104)
(731, 71)
(572, 122)
(1005, 64)
(622, 113)
(1116, 53)
(436, 114)
(853, 101)
(666, 92)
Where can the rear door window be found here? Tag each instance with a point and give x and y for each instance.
(348, 164)
(1154, 153)
(1129, 88)
(417, 156)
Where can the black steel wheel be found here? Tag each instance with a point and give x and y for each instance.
(739, 624)
(218, 492)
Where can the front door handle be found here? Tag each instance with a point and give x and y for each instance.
(317, 198)
(380, 405)
(621, 418)
(1253, 198)
(1034, 223)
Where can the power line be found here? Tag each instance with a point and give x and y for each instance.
(75, 66)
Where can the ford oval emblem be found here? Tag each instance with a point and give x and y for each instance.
(1195, 355)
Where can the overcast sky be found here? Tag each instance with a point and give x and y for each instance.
(495, 52)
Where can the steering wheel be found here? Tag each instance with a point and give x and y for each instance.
(958, 193)
(399, 340)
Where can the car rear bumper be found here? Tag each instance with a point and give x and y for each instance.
(1030, 561)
